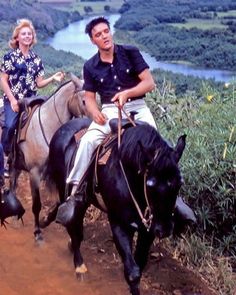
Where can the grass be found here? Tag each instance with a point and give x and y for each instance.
(199, 256)
(227, 14)
(209, 178)
(97, 6)
(200, 24)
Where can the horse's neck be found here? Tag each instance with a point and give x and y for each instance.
(55, 112)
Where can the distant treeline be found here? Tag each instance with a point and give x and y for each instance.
(215, 48)
(46, 19)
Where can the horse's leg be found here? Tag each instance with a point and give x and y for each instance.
(36, 202)
(144, 242)
(123, 240)
(75, 231)
(51, 215)
(14, 175)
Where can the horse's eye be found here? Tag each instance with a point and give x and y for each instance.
(169, 183)
(151, 182)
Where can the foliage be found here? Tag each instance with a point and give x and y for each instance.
(208, 163)
(183, 85)
(46, 19)
(198, 253)
(153, 28)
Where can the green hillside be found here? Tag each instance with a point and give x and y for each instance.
(199, 32)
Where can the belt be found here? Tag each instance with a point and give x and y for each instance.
(106, 101)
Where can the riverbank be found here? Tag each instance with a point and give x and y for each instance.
(73, 39)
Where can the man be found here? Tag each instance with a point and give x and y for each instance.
(121, 77)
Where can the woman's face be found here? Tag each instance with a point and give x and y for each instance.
(25, 37)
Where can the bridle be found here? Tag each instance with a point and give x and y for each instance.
(77, 90)
(147, 216)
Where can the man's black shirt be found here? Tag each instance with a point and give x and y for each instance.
(109, 78)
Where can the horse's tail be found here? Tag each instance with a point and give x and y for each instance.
(49, 177)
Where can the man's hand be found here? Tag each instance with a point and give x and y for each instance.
(99, 117)
(58, 77)
(120, 98)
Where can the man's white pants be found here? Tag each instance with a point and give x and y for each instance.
(96, 133)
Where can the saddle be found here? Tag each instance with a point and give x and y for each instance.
(103, 151)
(100, 155)
(27, 105)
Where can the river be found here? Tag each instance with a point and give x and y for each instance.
(73, 39)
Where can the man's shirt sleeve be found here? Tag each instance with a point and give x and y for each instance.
(136, 59)
(89, 83)
(6, 65)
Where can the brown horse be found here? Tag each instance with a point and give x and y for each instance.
(31, 154)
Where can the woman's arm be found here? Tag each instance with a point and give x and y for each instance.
(41, 82)
(6, 89)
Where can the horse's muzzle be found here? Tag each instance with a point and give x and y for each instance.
(163, 230)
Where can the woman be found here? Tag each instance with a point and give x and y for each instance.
(21, 73)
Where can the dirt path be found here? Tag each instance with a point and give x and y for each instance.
(47, 269)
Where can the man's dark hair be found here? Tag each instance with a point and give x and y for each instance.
(89, 27)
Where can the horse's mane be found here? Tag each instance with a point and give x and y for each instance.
(139, 140)
(139, 145)
(59, 87)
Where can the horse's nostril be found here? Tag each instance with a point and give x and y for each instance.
(162, 231)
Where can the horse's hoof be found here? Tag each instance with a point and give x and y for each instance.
(38, 237)
(80, 272)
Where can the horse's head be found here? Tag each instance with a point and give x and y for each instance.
(157, 162)
(76, 103)
(163, 182)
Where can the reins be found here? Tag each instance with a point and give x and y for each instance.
(56, 112)
(147, 216)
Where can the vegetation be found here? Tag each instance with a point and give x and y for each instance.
(194, 31)
(209, 169)
(47, 20)
(204, 110)
(92, 6)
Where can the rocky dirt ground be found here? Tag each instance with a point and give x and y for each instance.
(27, 268)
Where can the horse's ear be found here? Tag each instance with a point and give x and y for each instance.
(179, 148)
(78, 82)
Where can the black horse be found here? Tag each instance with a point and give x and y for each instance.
(139, 185)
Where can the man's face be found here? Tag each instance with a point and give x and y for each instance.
(102, 37)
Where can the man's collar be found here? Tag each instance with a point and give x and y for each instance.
(97, 58)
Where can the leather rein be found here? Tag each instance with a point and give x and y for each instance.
(56, 112)
(147, 216)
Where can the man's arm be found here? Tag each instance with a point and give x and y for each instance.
(145, 85)
(93, 109)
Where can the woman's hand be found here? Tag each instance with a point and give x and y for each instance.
(58, 77)
(14, 105)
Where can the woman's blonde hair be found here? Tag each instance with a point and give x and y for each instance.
(21, 23)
